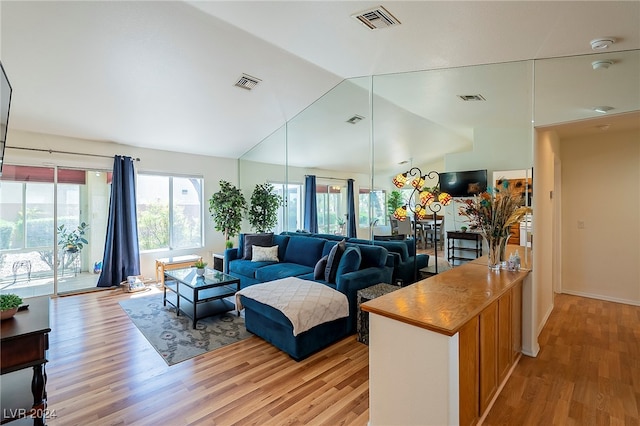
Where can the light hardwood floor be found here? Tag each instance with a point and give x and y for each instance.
(103, 372)
(586, 373)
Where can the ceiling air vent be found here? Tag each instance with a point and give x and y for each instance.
(247, 82)
(377, 18)
(472, 97)
(356, 118)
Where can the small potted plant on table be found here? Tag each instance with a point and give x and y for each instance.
(9, 304)
(200, 265)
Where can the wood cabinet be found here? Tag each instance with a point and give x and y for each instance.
(515, 234)
(489, 345)
(516, 322)
(505, 355)
(500, 340)
(488, 354)
(469, 370)
(468, 310)
(24, 342)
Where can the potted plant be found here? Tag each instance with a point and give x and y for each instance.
(72, 241)
(463, 228)
(9, 304)
(263, 213)
(394, 201)
(226, 207)
(199, 265)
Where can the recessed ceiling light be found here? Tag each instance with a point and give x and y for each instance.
(602, 109)
(602, 43)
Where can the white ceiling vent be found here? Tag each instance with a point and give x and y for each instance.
(355, 119)
(377, 18)
(472, 97)
(247, 82)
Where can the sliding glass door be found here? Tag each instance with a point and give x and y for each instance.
(332, 208)
(82, 209)
(35, 258)
(27, 234)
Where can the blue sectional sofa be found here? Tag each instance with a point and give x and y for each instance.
(403, 251)
(298, 256)
(361, 266)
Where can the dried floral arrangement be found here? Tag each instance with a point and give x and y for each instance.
(492, 212)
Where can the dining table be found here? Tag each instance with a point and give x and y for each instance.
(423, 225)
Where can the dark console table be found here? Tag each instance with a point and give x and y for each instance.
(24, 342)
(456, 251)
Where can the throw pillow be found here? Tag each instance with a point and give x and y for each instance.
(333, 261)
(318, 271)
(262, 240)
(264, 254)
(350, 261)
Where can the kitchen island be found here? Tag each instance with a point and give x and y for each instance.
(441, 348)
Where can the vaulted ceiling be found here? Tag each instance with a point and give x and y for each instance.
(161, 74)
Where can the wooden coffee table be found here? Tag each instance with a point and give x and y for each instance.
(199, 297)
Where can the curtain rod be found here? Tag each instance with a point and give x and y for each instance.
(51, 151)
(329, 178)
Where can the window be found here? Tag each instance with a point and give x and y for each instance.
(169, 212)
(377, 198)
(290, 213)
(332, 209)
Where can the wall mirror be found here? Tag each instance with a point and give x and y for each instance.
(477, 117)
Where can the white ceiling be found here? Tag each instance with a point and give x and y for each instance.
(161, 74)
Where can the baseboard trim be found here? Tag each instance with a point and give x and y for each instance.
(602, 297)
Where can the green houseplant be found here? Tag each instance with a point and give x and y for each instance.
(72, 240)
(9, 304)
(263, 212)
(199, 265)
(394, 201)
(226, 207)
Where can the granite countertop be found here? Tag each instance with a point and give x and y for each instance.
(445, 302)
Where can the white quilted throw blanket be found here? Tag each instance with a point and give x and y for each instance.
(305, 303)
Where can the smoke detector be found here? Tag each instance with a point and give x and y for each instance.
(602, 109)
(602, 43)
(376, 18)
(601, 65)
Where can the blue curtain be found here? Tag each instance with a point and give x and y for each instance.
(352, 230)
(310, 204)
(121, 252)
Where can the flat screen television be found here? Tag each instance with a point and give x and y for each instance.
(5, 103)
(463, 184)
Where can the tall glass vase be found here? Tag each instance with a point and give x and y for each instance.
(497, 248)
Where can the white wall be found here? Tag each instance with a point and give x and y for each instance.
(545, 247)
(601, 216)
(493, 149)
(212, 169)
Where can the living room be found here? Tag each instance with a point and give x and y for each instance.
(563, 158)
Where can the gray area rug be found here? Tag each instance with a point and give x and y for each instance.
(174, 337)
